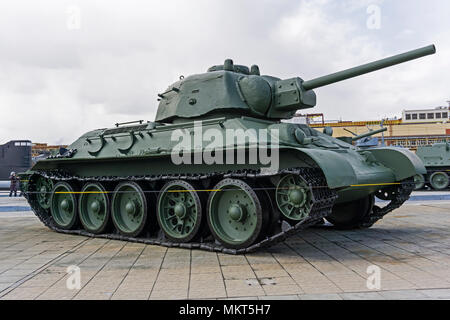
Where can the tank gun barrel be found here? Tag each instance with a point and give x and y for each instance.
(368, 134)
(368, 67)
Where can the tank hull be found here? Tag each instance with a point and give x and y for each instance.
(151, 151)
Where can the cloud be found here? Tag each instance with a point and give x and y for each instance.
(57, 82)
(324, 42)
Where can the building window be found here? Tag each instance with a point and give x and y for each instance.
(430, 115)
(414, 116)
(408, 117)
(22, 144)
(438, 115)
(421, 116)
(444, 115)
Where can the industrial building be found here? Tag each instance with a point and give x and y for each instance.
(45, 149)
(415, 127)
(15, 156)
(20, 155)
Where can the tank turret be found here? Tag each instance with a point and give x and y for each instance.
(235, 89)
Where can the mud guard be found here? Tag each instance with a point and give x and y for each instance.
(337, 170)
(403, 163)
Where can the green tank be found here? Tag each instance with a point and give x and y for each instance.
(218, 169)
(436, 159)
(357, 137)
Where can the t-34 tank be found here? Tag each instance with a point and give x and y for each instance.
(363, 140)
(218, 170)
(436, 159)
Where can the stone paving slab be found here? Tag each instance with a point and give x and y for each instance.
(410, 248)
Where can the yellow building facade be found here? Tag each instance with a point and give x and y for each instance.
(399, 132)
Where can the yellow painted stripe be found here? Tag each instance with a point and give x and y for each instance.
(82, 192)
(204, 190)
(374, 184)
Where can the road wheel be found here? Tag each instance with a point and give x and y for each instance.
(94, 208)
(179, 211)
(294, 197)
(439, 180)
(129, 209)
(235, 216)
(44, 189)
(63, 206)
(419, 181)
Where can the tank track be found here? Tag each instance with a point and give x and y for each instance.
(324, 199)
(402, 194)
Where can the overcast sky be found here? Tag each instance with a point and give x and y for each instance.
(67, 67)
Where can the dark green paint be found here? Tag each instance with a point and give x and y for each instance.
(129, 209)
(233, 214)
(94, 207)
(436, 159)
(179, 210)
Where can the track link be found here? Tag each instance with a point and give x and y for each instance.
(403, 191)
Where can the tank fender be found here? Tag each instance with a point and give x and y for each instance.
(337, 170)
(403, 163)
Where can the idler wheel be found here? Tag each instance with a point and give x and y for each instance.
(63, 206)
(419, 181)
(294, 197)
(94, 208)
(235, 216)
(439, 180)
(129, 209)
(349, 215)
(179, 211)
(44, 192)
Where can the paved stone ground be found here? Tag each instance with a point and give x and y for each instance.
(411, 246)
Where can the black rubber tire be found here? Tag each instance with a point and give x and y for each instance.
(349, 215)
